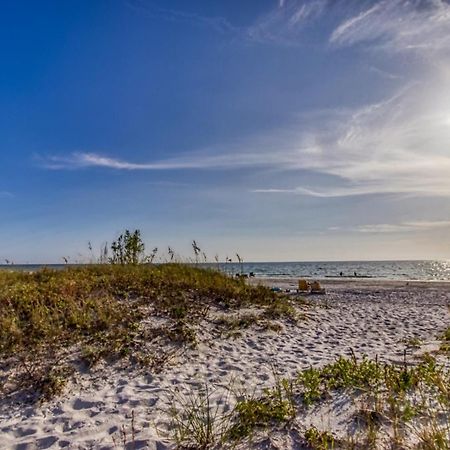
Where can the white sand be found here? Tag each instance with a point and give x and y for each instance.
(371, 318)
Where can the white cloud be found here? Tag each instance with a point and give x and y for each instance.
(398, 25)
(403, 227)
(399, 145)
(428, 224)
(333, 192)
(285, 24)
(393, 24)
(80, 160)
(384, 74)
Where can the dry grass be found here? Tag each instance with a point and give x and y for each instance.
(106, 312)
(396, 407)
(66, 306)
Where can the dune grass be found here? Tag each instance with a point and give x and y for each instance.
(394, 407)
(445, 345)
(65, 306)
(107, 312)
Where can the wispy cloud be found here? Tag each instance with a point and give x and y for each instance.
(284, 25)
(390, 24)
(81, 160)
(218, 24)
(400, 227)
(398, 145)
(353, 191)
(398, 25)
(6, 194)
(385, 74)
(394, 25)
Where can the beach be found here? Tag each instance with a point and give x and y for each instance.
(120, 405)
(225, 225)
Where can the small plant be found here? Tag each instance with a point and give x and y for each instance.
(445, 344)
(319, 440)
(275, 406)
(446, 335)
(128, 249)
(281, 308)
(311, 382)
(182, 333)
(152, 256)
(104, 252)
(53, 382)
(197, 251)
(92, 354)
(273, 326)
(237, 322)
(413, 343)
(434, 437)
(127, 436)
(196, 423)
(241, 263)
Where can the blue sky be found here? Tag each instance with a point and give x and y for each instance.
(283, 130)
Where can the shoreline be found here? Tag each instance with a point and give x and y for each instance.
(350, 281)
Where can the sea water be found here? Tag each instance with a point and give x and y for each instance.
(388, 270)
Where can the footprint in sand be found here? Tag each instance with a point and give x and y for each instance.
(43, 443)
(83, 404)
(263, 376)
(22, 432)
(227, 348)
(113, 429)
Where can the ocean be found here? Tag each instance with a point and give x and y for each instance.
(387, 270)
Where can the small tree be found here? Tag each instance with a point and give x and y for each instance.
(128, 249)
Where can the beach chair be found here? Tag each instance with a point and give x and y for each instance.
(303, 285)
(316, 288)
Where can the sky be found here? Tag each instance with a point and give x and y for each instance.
(284, 130)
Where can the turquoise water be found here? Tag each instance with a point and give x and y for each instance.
(388, 270)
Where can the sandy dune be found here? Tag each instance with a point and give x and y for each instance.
(366, 317)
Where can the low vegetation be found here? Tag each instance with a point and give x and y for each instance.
(394, 406)
(108, 311)
(445, 346)
(64, 306)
